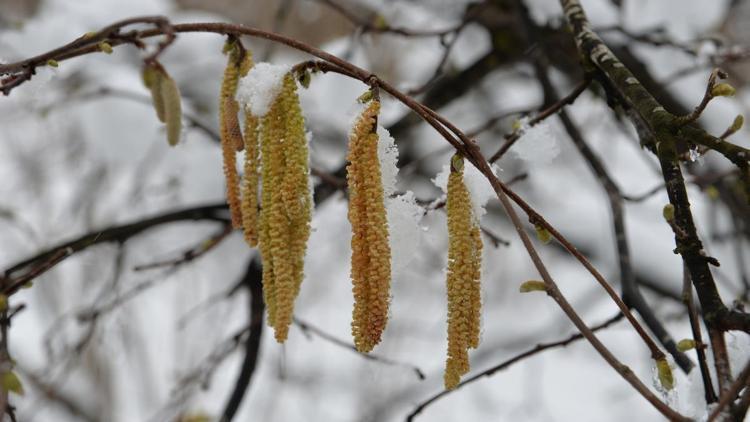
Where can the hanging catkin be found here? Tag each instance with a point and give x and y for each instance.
(172, 109)
(463, 280)
(371, 254)
(238, 64)
(250, 180)
(166, 99)
(286, 205)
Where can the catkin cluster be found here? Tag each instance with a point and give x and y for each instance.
(371, 254)
(286, 205)
(238, 64)
(463, 281)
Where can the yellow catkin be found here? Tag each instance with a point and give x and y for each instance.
(371, 254)
(463, 280)
(172, 109)
(286, 206)
(229, 127)
(250, 180)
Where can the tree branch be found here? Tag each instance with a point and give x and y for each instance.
(252, 281)
(541, 347)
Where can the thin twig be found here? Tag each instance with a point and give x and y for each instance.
(306, 328)
(191, 254)
(514, 136)
(700, 347)
(508, 362)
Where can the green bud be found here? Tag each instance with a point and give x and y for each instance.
(195, 417)
(664, 372)
(52, 63)
(457, 162)
(105, 47)
(228, 47)
(737, 124)
(686, 344)
(3, 302)
(533, 286)
(723, 90)
(9, 382)
(379, 22)
(712, 192)
(304, 79)
(668, 212)
(366, 97)
(542, 234)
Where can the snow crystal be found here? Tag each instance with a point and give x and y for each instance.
(538, 143)
(478, 186)
(388, 157)
(404, 216)
(260, 87)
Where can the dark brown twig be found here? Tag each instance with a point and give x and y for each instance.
(191, 254)
(700, 347)
(512, 137)
(54, 255)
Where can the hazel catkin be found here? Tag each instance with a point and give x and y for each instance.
(165, 96)
(249, 200)
(172, 109)
(371, 254)
(239, 61)
(463, 279)
(286, 205)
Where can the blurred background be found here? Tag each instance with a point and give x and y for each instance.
(101, 338)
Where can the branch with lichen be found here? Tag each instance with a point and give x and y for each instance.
(660, 130)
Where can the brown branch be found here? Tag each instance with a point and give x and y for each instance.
(45, 260)
(660, 131)
(383, 27)
(631, 294)
(541, 347)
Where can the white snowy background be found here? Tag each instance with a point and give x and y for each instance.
(72, 161)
